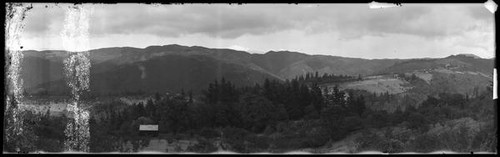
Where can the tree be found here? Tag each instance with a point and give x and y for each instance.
(295, 100)
(333, 114)
(311, 112)
(140, 109)
(257, 112)
(338, 97)
(190, 96)
(267, 88)
(316, 97)
(351, 102)
(223, 92)
(332, 118)
(175, 113)
(414, 77)
(360, 105)
(151, 109)
(417, 121)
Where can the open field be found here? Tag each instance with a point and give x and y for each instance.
(376, 85)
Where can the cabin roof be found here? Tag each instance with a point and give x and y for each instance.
(148, 127)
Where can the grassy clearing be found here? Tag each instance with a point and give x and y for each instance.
(378, 85)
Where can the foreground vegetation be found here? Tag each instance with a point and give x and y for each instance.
(278, 117)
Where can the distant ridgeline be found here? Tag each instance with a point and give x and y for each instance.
(126, 71)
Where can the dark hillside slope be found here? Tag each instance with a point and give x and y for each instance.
(167, 73)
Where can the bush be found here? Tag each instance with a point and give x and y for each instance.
(367, 141)
(353, 123)
(486, 139)
(425, 143)
(417, 121)
(257, 143)
(235, 138)
(455, 135)
(270, 129)
(391, 146)
(313, 142)
(50, 145)
(384, 143)
(287, 143)
(203, 146)
(209, 133)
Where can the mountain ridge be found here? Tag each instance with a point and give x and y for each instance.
(279, 65)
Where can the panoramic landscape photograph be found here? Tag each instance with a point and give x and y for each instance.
(249, 78)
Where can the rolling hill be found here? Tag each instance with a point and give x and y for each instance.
(464, 74)
(162, 74)
(176, 67)
(454, 62)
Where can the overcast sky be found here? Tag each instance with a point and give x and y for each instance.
(349, 30)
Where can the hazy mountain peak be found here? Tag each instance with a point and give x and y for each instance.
(174, 45)
(285, 52)
(468, 55)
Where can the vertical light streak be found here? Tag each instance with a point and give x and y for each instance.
(14, 26)
(77, 70)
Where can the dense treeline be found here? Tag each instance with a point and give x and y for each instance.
(310, 78)
(252, 108)
(255, 110)
(293, 115)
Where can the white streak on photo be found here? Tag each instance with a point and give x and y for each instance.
(495, 84)
(491, 6)
(378, 5)
(75, 37)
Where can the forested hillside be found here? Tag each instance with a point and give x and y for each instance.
(280, 116)
(240, 67)
(205, 100)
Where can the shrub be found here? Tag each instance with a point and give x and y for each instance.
(209, 133)
(203, 146)
(287, 143)
(257, 143)
(425, 143)
(313, 142)
(353, 123)
(235, 138)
